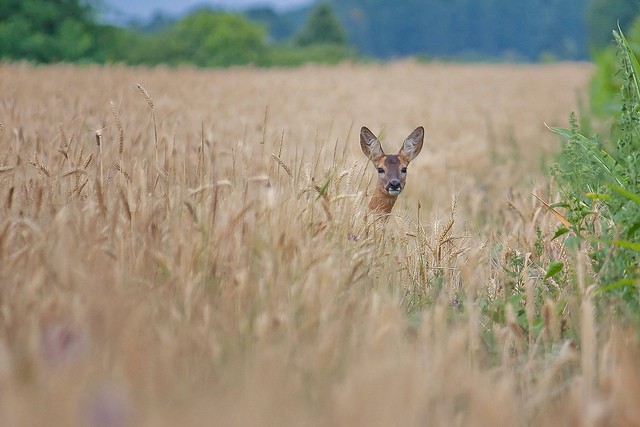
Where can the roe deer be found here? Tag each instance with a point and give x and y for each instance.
(392, 168)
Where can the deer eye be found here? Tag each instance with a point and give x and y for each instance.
(403, 170)
(380, 170)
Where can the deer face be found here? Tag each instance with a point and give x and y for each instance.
(392, 173)
(391, 168)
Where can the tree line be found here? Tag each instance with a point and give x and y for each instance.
(328, 31)
(493, 29)
(528, 30)
(47, 31)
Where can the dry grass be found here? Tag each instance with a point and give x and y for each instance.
(189, 247)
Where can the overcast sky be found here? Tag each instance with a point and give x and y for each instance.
(145, 8)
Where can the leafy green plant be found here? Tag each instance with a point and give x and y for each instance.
(605, 97)
(600, 186)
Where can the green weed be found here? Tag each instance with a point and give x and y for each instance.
(600, 183)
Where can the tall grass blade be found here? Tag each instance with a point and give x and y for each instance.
(627, 244)
(635, 66)
(629, 195)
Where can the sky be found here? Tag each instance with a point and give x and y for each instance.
(145, 8)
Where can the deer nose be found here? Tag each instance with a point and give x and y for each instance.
(394, 184)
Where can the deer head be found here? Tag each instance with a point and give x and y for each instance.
(391, 168)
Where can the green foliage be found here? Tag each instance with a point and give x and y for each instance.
(322, 27)
(524, 292)
(554, 268)
(605, 87)
(215, 39)
(601, 188)
(286, 55)
(46, 31)
(205, 39)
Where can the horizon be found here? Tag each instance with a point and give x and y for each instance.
(123, 10)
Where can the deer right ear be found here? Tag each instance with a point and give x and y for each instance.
(370, 144)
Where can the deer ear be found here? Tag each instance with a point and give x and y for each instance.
(413, 144)
(370, 144)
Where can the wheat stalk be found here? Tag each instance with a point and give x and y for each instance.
(116, 118)
(122, 171)
(37, 200)
(125, 204)
(9, 201)
(65, 144)
(98, 135)
(282, 164)
(36, 163)
(150, 104)
(146, 95)
(100, 197)
(87, 161)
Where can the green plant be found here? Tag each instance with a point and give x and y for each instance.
(600, 185)
(605, 97)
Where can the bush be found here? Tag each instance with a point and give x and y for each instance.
(601, 188)
(283, 55)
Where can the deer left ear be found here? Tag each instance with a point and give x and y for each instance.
(413, 144)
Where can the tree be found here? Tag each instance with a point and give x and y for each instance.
(45, 31)
(208, 38)
(322, 27)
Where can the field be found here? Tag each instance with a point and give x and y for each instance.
(192, 247)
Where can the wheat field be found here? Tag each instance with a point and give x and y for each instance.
(192, 247)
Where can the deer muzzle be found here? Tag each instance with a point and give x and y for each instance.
(394, 187)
